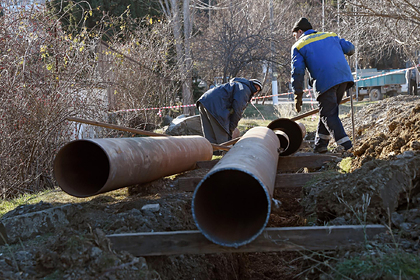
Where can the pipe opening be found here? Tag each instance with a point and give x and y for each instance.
(231, 208)
(283, 138)
(292, 130)
(81, 168)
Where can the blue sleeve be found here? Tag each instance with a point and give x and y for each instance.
(348, 47)
(298, 71)
(241, 97)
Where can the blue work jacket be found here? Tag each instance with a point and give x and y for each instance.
(227, 102)
(322, 53)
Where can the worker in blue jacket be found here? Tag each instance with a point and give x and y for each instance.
(322, 53)
(221, 107)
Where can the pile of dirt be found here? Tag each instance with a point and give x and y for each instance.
(385, 129)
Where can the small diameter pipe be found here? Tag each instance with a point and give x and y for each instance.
(231, 205)
(88, 167)
(290, 134)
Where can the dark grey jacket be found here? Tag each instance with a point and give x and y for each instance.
(227, 102)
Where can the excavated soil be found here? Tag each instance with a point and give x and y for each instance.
(383, 187)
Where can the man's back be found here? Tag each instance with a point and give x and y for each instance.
(323, 54)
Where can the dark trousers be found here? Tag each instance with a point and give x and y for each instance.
(412, 87)
(212, 130)
(329, 123)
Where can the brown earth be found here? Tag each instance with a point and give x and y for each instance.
(382, 188)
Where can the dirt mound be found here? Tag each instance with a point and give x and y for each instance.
(385, 129)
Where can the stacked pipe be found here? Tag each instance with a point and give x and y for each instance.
(89, 167)
(231, 205)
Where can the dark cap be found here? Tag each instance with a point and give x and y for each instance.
(302, 24)
(256, 82)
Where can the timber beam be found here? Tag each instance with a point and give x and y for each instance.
(271, 240)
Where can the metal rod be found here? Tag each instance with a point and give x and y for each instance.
(231, 205)
(88, 167)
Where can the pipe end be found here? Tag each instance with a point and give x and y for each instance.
(231, 207)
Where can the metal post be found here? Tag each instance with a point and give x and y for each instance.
(274, 89)
(323, 15)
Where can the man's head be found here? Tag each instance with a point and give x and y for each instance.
(257, 84)
(300, 27)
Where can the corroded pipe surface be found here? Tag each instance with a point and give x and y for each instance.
(92, 166)
(295, 133)
(231, 205)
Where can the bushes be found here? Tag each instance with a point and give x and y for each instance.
(45, 76)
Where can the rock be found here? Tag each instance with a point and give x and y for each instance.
(406, 226)
(339, 221)
(3, 234)
(406, 154)
(151, 207)
(95, 252)
(26, 226)
(185, 126)
(166, 120)
(397, 219)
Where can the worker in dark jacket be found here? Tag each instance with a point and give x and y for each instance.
(322, 53)
(221, 107)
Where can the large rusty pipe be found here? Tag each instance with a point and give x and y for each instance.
(88, 167)
(231, 205)
(290, 134)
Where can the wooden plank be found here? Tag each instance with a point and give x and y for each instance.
(134, 130)
(310, 160)
(290, 163)
(293, 180)
(272, 239)
(208, 164)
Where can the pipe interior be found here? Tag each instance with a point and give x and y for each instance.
(283, 138)
(81, 168)
(231, 207)
(292, 130)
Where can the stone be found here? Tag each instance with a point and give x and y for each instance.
(30, 225)
(406, 226)
(151, 207)
(183, 125)
(397, 219)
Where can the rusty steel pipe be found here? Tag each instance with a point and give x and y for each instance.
(231, 205)
(88, 167)
(290, 134)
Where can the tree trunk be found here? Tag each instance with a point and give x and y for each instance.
(187, 90)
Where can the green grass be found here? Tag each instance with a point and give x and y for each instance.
(345, 165)
(390, 265)
(56, 197)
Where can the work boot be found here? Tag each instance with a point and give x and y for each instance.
(342, 151)
(320, 150)
(347, 145)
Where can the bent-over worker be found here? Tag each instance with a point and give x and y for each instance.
(221, 107)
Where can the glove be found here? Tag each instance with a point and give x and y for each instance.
(298, 101)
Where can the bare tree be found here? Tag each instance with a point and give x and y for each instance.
(182, 45)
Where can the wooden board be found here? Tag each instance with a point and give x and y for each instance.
(272, 239)
(309, 160)
(291, 180)
(290, 163)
